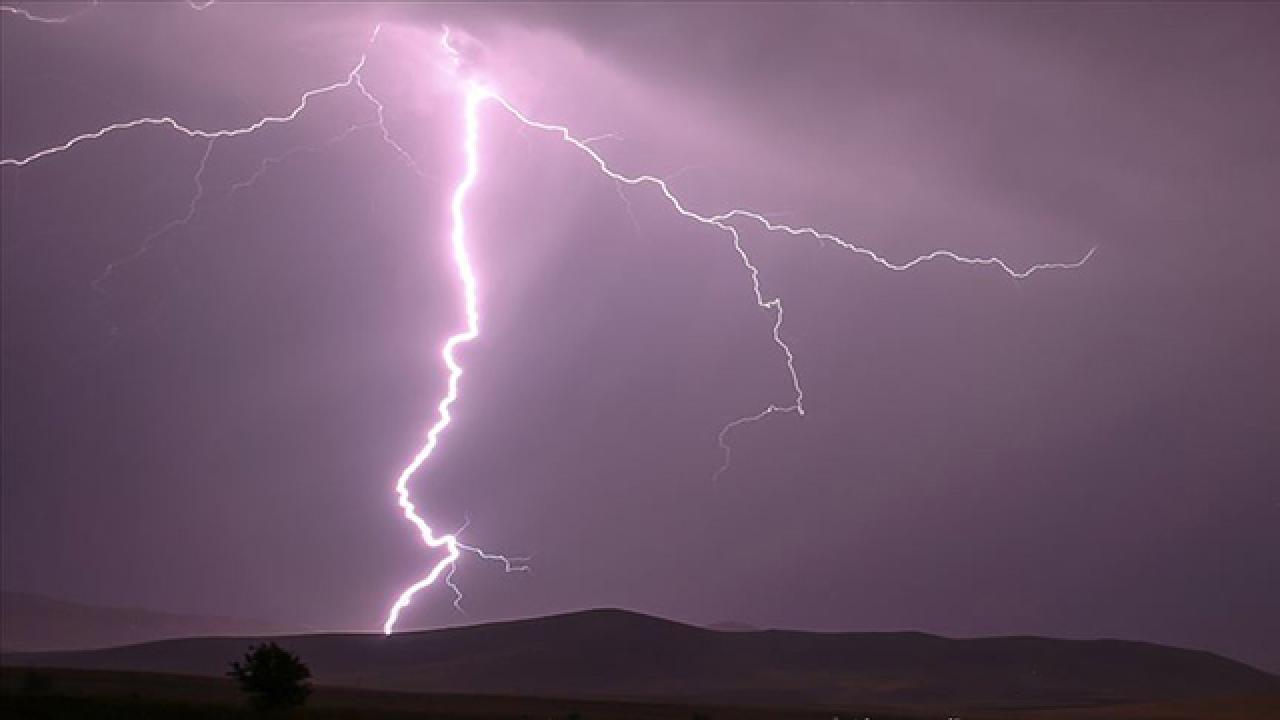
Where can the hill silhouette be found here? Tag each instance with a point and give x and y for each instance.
(619, 654)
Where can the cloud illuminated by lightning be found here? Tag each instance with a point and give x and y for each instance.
(474, 94)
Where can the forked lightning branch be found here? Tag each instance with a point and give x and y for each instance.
(473, 94)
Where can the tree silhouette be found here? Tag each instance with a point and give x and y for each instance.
(272, 677)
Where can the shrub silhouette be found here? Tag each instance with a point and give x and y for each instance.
(272, 677)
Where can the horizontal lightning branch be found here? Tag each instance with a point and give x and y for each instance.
(354, 79)
(773, 304)
(173, 124)
(476, 94)
(45, 19)
(25, 14)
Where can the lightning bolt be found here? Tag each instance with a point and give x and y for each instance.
(466, 274)
(25, 14)
(477, 93)
(267, 163)
(354, 79)
(474, 95)
(190, 132)
(722, 222)
(450, 542)
(45, 19)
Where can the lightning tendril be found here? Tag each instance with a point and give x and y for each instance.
(474, 95)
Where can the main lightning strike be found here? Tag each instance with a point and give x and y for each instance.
(474, 95)
(354, 79)
(467, 276)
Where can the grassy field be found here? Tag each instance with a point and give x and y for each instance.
(57, 693)
(48, 694)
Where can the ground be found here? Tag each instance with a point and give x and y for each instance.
(40, 694)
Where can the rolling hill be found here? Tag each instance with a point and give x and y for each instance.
(618, 654)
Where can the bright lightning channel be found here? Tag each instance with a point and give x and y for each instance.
(354, 79)
(474, 95)
(466, 273)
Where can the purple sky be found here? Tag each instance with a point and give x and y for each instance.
(1082, 454)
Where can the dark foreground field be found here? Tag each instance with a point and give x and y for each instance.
(58, 694)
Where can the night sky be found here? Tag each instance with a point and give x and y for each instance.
(217, 425)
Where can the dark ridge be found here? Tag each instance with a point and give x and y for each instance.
(609, 653)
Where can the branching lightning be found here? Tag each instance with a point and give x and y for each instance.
(270, 162)
(46, 19)
(192, 208)
(773, 304)
(453, 546)
(354, 79)
(475, 94)
(190, 132)
(197, 5)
